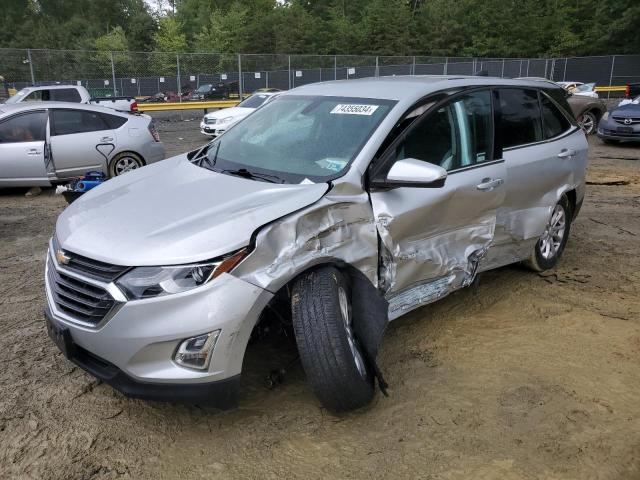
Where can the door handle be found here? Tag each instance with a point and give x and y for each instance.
(489, 184)
(34, 151)
(566, 153)
(106, 139)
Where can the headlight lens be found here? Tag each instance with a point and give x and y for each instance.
(147, 282)
(226, 119)
(605, 116)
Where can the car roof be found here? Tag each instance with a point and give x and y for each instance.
(408, 88)
(49, 87)
(26, 106)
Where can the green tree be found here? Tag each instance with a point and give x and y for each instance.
(226, 31)
(170, 37)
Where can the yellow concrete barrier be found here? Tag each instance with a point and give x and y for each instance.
(160, 106)
(615, 88)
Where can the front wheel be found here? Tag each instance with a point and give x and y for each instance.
(551, 243)
(330, 354)
(125, 162)
(588, 121)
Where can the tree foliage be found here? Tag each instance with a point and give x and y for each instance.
(493, 28)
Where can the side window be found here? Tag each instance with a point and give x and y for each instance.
(454, 136)
(65, 95)
(27, 127)
(554, 122)
(520, 121)
(113, 121)
(37, 96)
(66, 122)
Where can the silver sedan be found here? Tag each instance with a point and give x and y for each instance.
(46, 143)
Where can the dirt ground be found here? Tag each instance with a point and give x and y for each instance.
(528, 376)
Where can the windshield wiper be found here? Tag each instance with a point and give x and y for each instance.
(244, 173)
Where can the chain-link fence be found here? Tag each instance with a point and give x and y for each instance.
(143, 74)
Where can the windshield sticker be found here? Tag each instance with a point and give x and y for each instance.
(354, 109)
(333, 164)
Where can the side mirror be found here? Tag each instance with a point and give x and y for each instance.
(410, 172)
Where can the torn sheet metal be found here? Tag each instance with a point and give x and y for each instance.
(338, 227)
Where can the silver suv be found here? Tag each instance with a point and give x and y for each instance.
(351, 202)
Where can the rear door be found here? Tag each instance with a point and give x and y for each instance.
(22, 149)
(544, 155)
(432, 238)
(81, 140)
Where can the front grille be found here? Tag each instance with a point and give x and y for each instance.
(621, 120)
(80, 300)
(93, 268)
(210, 121)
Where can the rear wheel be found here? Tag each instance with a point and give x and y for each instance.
(551, 243)
(125, 162)
(588, 121)
(331, 356)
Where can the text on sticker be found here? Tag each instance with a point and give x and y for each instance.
(354, 109)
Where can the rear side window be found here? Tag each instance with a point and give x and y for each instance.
(520, 119)
(554, 123)
(65, 95)
(27, 127)
(66, 122)
(113, 121)
(38, 96)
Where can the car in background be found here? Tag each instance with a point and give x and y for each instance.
(219, 91)
(632, 90)
(46, 143)
(586, 110)
(621, 124)
(627, 101)
(216, 123)
(71, 93)
(579, 88)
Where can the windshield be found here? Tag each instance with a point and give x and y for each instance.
(204, 88)
(297, 138)
(254, 101)
(587, 87)
(18, 96)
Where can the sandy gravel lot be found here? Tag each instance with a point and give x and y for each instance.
(529, 376)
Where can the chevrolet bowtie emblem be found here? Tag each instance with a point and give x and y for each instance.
(61, 257)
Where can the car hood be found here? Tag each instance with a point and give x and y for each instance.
(629, 109)
(174, 212)
(230, 112)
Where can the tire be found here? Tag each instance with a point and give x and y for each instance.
(588, 121)
(125, 162)
(549, 247)
(330, 355)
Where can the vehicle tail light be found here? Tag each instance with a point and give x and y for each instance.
(627, 91)
(154, 132)
(134, 107)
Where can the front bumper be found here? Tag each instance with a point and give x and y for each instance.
(136, 343)
(609, 130)
(212, 130)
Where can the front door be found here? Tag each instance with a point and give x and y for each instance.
(81, 141)
(433, 238)
(22, 149)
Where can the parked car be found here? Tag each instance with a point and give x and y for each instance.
(629, 100)
(587, 111)
(219, 91)
(341, 205)
(71, 93)
(632, 90)
(579, 88)
(216, 123)
(49, 142)
(621, 124)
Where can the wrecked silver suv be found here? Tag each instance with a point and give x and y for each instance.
(355, 201)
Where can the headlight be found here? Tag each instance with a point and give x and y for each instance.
(147, 282)
(226, 119)
(605, 116)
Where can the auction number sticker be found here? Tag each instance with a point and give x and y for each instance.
(354, 109)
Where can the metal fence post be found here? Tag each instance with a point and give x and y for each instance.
(413, 66)
(377, 71)
(613, 62)
(289, 70)
(240, 77)
(564, 73)
(335, 67)
(33, 78)
(179, 81)
(446, 65)
(113, 75)
(502, 72)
